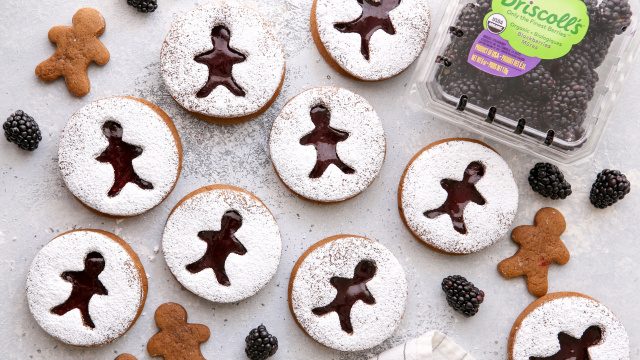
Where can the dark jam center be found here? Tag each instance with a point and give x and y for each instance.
(325, 139)
(220, 62)
(575, 349)
(84, 284)
(459, 195)
(349, 291)
(374, 17)
(120, 155)
(220, 244)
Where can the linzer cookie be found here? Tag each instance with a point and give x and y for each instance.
(370, 39)
(120, 156)
(327, 144)
(348, 292)
(77, 46)
(222, 61)
(458, 196)
(540, 246)
(565, 325)
(222, 243)
(86, 287)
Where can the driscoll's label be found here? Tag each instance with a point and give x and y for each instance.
(519, 34)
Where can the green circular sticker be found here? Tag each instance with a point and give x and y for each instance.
(546, 29)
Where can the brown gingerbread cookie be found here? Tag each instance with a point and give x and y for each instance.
(177, 339)
(126, 357)
(77, 47)
(540, 246)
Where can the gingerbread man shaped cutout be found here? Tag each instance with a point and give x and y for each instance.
(77, 46)
(177, 339)
(540, 246)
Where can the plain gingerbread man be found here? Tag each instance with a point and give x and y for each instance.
(540, 246)
(177, 339)
(77, 47)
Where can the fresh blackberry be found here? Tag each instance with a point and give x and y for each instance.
(547, 180)
(22, 130)
(468, 86)
(568, 68)
(145, 6)
(520, 107)
(573, 97)
(594, 47)
(471, 17)
(539, 82)
(610, 187)
(593, 10)
(462, 295)
(260, 344)
(615, 16)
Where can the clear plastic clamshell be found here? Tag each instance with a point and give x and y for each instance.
(540, 75)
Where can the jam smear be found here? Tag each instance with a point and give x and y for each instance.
(220, 61)
(120, 155)
(374, 17)
(349, 292)
(85, 284)
(220, 244)
(325, 139)
(575, 349)
(459, 195)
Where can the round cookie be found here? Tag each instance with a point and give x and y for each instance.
(120, 156)
(222, 62)
(578, 321)
(222, 243)
(458, 196)
(327, 144)
(369, 39)
(86, 287)
(322, 285)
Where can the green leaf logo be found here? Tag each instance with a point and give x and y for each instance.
(545, 29)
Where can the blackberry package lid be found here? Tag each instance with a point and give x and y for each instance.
(541, 75)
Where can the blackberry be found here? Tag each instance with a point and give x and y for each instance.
(540, 82)
(568, 68)
(519, 107)
(615, 16)
(573, 97)
(465, 86)
(547, 180)
(471, 18)
(610, 187)
(145, 6)
(462, 295)
(260, 344)
(566, 122)
(594, 47)
(22, 130)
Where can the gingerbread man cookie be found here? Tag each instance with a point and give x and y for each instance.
(126, 357)
(77, 47)
(177, 339)
(540, 246)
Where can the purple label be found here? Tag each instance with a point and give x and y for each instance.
(493, 55)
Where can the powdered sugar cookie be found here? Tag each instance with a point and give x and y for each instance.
(222, 243)
(120, 156)
(222, 61)
(348, 292)
(327, 144)
(568, 326)
(370, 39)
(458, 196)
(86, 287)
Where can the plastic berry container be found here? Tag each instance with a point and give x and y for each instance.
(539, 75)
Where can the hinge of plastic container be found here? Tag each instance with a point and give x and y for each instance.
(443, 60)
(462, 104)
(491, 115)
(457, 32)
(550, 136)
(521, 124)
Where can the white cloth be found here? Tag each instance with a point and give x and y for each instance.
(433, 345)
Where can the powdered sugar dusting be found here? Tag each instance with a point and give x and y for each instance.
(259, 75)
(389, 54)
(421, 191)
(90, 180)
(112, 314)
(372, 324)
(364, 150)
(538, 332)
(259, 234)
